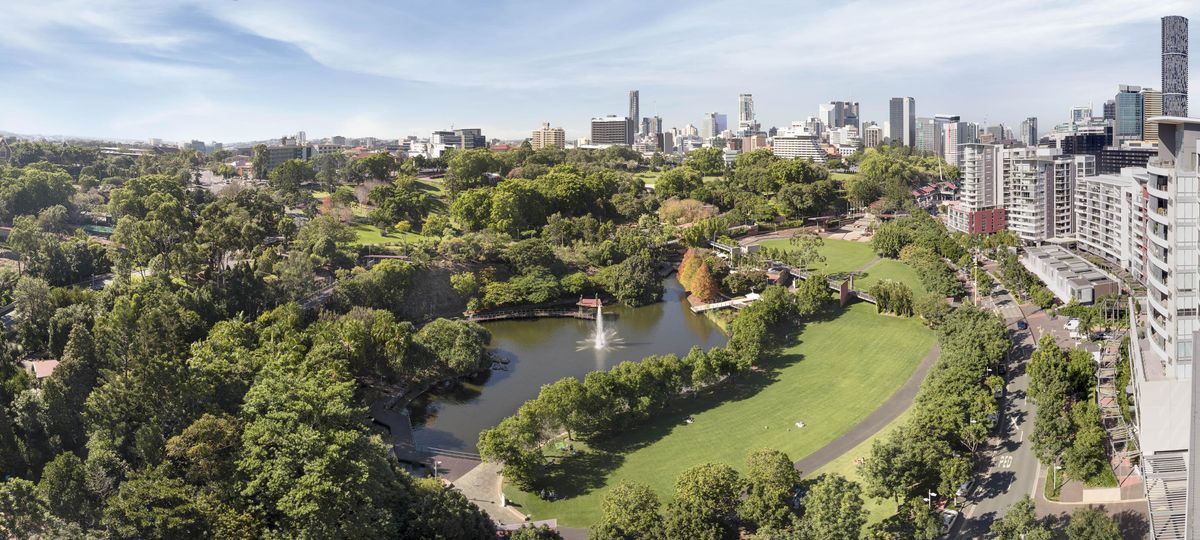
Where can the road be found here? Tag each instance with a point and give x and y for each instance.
(1012, 469)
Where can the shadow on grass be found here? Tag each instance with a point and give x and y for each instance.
(588, 470)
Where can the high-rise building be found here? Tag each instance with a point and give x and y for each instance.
(1110, 109)
(1151, 106)
(1039, 192)
(903, 118)
(548, 137)
(612, 130)
(655, 125)
(746, 123)
(1029, 131)
(954, 133)
(997, 133)
(979, 208)
(797, 145)
(1080, 115)
(836, 114)
(635, 112)
(1175, 65)
(929, 136)
(711, 126)
(872, 136)
(1130, 114)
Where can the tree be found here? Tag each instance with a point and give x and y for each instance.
(1020, 522)
(933, 308)
(703, 285)
(833, 509)
(630, 511)
(466, 168)
(804, 249)
(633, 282)
(258, 163)
(290, 175)
(154, 506)
(709, 490)
(330, 168)
(33, 310)
(889, 240)
(678, 182)
(1092, 524)
(22, 512)
(708, 161)
(534, 533)
(64, 487)
(772, 478)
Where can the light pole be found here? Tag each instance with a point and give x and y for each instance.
(930, 498)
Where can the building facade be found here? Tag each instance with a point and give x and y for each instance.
(903, 121)
(1029, 131)
(872, 136)
(746, 123)
(1151, 107)
(612, 130)
(1175, 65)
(1039, 192)
(929, 136)
(1130, 114)
(798, 146)
(635, 109)
(548, 137)
(979, 208)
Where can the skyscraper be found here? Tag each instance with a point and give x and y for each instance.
(1130, 113)
(1029, 133)
(746, 113)
(903, 121)
(929, 136)
(1175, 65)
(1152, 105)
(635, 112)
(1110, 109)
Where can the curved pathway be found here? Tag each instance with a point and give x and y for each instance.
(892, 408)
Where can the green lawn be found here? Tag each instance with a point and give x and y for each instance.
(840, 255)
(893, 270)
(370, 235)
(651, 177)
(841, 176)
(830, 380)
(877, 509)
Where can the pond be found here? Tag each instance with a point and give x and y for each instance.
(545, 350)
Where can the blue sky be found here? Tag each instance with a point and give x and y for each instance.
(234, 70)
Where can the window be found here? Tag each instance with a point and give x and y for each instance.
(1186, 312)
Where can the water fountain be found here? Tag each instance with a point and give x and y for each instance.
(602, 339)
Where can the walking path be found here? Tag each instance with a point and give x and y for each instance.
(481, 486)
(892, 408)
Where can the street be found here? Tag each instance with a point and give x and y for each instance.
(1012, 469)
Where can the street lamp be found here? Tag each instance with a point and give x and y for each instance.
(930, 498)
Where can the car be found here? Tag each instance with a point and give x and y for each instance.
(1022, 325)
(965, 489)
(1002, 368)
(948, 518)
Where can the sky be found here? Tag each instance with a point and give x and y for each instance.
(239, 70)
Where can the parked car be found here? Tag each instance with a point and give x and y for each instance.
(965, 489)
(948, 518)
(1022, 325)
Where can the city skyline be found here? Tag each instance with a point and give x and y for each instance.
(211, 72)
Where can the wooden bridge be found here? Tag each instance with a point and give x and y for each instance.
(841, 284)
(540, 313)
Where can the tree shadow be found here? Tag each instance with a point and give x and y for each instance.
(994, 484)
(1133, 524)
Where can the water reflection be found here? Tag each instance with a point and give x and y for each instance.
(545, 350)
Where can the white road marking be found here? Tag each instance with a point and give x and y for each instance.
(1005, 462)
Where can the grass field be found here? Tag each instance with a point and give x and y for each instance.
(893, 270)
(830, 380)
(840, 255)
(651, 177)
(370, 235)
(877, 509)
(841, 176)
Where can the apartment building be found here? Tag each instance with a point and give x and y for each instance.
(548, 137)
(798, 145)
(1110, 218)
(1039, 192)
(979, 208)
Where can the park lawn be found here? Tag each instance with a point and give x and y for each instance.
(840, 255)
(893, 270)
(831, 379)
(877, 509)
(841, 176)
(370, 235)
(651, 177)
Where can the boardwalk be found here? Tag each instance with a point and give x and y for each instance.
(571, 313)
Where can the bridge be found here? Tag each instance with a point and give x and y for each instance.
(541, 313)
(839, 283)
(735, 303)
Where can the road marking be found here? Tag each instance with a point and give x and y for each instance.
(1005, 462)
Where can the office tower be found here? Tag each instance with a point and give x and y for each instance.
(979, 209)
(655, 125)
(1152, 106)
(954, 133)
(997, 133)
(612, 130)
(1175, 65)
(1029, 131)
(850, 116)
(668, 142)
(872, 136)
(708, 126)
(1110, 109)
(929, 136)
(1130, 114)
(301, 138)
(830, 114)
(691, 131)
(746, 113)
(903, 118)
(722, 123)
(548, 137)
(635, 112)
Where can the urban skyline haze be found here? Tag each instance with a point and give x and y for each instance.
(249, 70)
